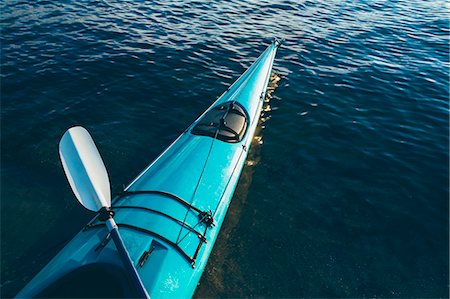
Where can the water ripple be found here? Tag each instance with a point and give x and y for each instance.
(350, 198)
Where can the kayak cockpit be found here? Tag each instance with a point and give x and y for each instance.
(98, 280)
(227, 122)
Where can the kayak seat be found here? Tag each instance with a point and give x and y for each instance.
(227, 122)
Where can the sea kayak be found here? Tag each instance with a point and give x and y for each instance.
(170, 215)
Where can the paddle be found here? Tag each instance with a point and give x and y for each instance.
(89, 180)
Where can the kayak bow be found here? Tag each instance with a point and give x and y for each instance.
(170, 215)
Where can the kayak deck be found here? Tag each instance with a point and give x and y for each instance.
(170, 215)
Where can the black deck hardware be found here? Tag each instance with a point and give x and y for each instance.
(104, 242)
(227, 122)
(145, 255)
(206, 217)
(105, 213)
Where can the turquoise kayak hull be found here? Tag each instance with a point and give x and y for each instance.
(170, 215)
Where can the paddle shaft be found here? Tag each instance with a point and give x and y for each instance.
(126, 259)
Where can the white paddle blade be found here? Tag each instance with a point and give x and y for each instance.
(85, 169)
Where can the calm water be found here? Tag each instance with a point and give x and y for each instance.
(348, 196)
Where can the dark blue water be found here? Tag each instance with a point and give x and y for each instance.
(348, 194)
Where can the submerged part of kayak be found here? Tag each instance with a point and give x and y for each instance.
(170, 215)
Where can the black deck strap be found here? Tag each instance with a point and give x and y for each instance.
(160, 237)
(197, 250)
(166, 194)
(162, 214)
